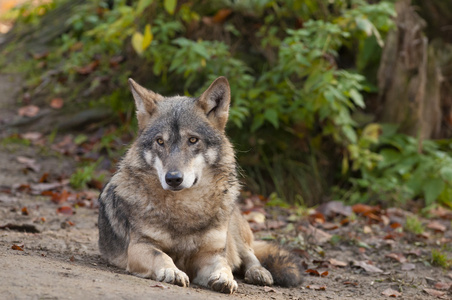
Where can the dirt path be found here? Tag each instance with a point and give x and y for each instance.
(60, 259)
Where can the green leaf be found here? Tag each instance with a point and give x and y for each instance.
(350, 133)
(432, 188)
(271, 115)
(142, 4)
(446, 173)
(357, 98)
(147, 38)
(257, 122)
(137, 42)
(170, 6)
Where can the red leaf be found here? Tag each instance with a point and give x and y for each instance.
(361, 208)
(44, 178)
(24, 211)
(221, 15)
(89, 68)
(17, 247)
(350, 283)
(324, 274)
(56, 103)
(312, 272)
(395, 225)
(65, 210)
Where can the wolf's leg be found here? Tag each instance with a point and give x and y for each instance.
(214, 272)
(147, 261)
(255, 273)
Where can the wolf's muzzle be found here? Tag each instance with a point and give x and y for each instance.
(174, 178)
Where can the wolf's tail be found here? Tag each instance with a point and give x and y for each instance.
(285, 267)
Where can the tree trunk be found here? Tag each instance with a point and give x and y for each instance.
(409, 78)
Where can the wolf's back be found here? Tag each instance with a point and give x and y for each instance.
(285, 267)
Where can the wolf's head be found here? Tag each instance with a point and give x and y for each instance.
(180, 137)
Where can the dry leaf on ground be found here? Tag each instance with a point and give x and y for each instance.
(391, 293)
(367, 267)
(337, 263)
(397, 256)
(28, 111)
(432, 292)
(436, 226)
(317, 287)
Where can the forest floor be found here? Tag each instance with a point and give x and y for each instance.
(48, 237)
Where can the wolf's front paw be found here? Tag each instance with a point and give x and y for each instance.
(174, 276)
(258, 275)
(223, 282)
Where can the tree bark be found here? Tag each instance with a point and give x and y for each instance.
(409, 78)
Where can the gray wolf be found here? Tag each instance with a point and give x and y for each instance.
(169, 213)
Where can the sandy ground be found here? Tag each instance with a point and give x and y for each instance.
(60, 258)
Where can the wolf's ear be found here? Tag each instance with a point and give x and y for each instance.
(215, 102)
(145, 102)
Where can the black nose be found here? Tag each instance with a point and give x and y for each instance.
(174, 178)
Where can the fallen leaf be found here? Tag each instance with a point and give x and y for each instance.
(312, 272)
(449, 275)
(28, 111)
(361, 208)
(44, 177)
(397, 256)
(17, 247)
(329, 226)
(316, 217)
(443, 285)
(316, 287)
(324, 274)
(269, 289)
(31, 136)
(436, 226)
(332, 208)
(24, 211)
(367, 230)
(337, 263)
(408, 267)
(385, 220)
(221, 15)
(395, 225)
(40, 187)
(56, 103)
(255, 216)
(350, 283)
(319, 236)
(435, 293)
(391, 293)
(89, 68)
(65, 210)
(367, 267)
(29, 163)
(40, 55)
(159, 285)
(441, 212)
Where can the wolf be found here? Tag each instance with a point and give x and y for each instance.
(169, 213)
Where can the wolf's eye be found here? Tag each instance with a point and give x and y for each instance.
(160, 141)
(193, 140)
